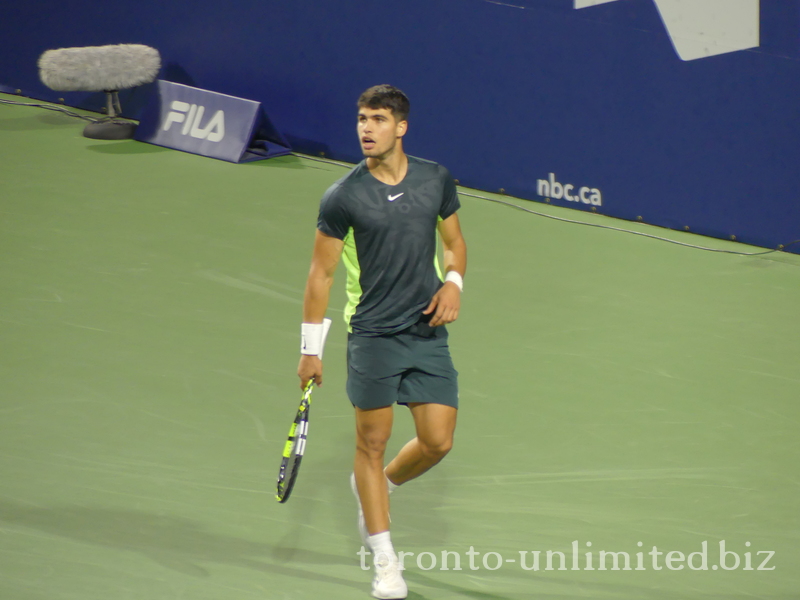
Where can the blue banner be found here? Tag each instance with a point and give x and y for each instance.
(210, 124)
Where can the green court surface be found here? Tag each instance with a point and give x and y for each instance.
(615, 390)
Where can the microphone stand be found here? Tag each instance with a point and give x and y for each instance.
(111, 127)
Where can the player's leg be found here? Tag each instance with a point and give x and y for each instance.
(430, 389)
(435, 425)
(373, 429)
(374, 371)
(372, 382)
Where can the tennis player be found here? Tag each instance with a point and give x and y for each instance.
(383, 218)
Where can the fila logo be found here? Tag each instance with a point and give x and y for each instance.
(191, 115)
(703, 28)
(395, 197)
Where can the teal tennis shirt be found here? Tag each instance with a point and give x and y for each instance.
(390, 241)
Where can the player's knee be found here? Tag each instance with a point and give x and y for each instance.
(437, 449)
(372, 445)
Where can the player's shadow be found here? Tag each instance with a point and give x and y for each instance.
(173, 542)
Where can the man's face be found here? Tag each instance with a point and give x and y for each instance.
(378, 131)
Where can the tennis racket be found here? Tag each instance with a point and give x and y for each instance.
(295, 447)
(296, 444)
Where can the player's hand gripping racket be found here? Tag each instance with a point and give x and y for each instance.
(296, 444)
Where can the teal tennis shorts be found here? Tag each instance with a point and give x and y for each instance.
(403, 368)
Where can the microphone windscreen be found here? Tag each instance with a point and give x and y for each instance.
(99, 68)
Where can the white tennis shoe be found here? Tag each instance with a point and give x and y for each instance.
(388, 583)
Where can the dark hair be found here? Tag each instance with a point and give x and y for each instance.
(386, 96)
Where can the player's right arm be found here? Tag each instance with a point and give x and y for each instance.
(326, 255)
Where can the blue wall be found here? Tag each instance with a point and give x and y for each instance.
(503, 95)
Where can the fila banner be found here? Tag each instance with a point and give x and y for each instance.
(210, 124)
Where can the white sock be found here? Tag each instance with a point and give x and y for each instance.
(381, 543)
(392, 486)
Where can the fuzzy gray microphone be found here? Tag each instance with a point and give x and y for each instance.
(99, 68)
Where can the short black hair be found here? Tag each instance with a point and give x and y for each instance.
(386, 96)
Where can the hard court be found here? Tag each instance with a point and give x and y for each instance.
(615, 390)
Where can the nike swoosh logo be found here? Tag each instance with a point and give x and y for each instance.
(395, 197)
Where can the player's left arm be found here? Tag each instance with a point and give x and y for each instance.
(446, 303)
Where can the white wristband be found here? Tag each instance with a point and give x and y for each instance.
(312, 337)
(456, 278)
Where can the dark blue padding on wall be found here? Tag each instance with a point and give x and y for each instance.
(503, 95)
